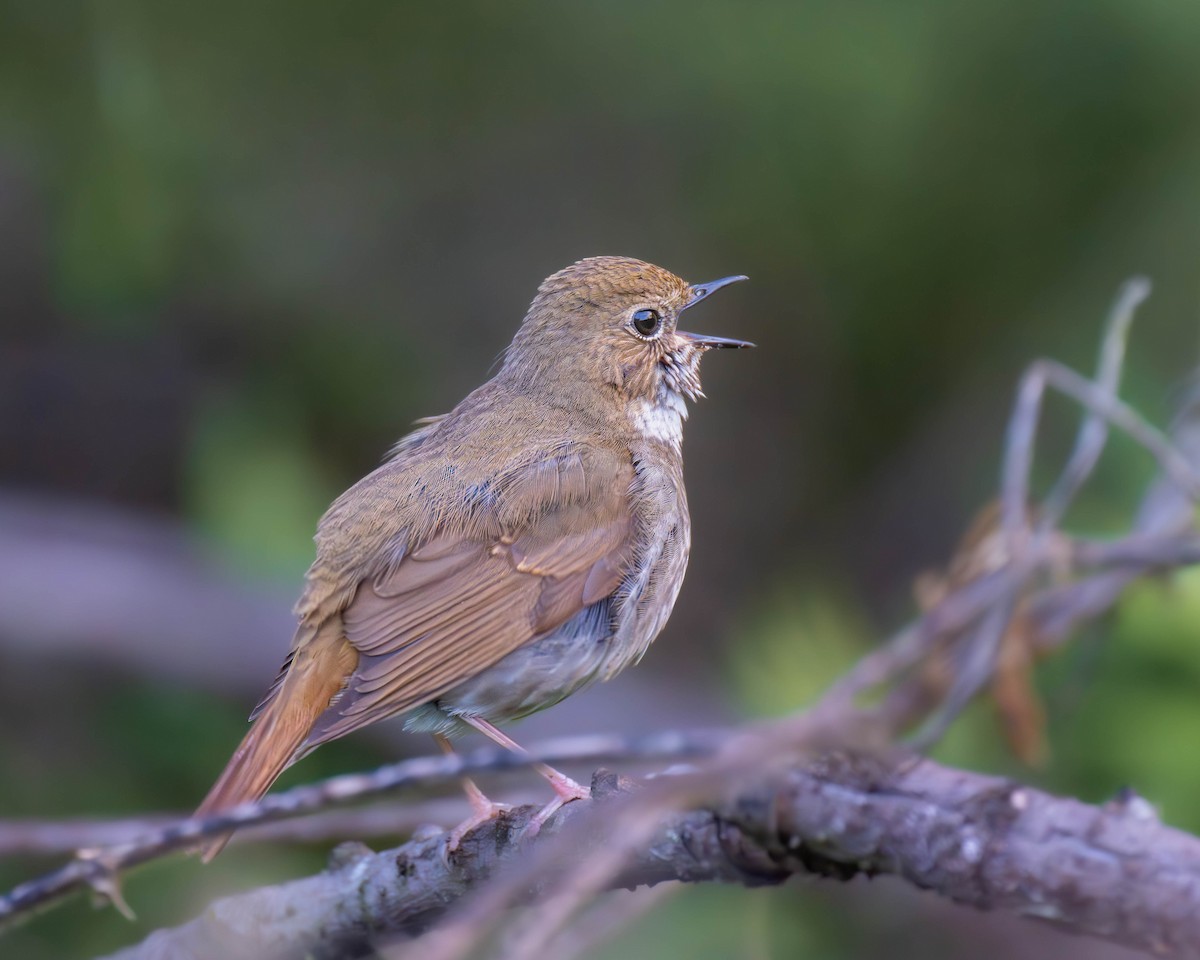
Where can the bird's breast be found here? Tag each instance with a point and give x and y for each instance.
(658, 562)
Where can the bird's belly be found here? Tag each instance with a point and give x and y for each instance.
(531, 678)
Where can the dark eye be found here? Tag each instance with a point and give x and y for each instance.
(647, 322)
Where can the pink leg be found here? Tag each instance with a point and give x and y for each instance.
(565, 788)
(482, 808)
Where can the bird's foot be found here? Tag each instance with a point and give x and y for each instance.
(483, 809)
(480, 816)
(565, 790)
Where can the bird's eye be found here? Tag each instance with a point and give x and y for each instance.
(647, 322)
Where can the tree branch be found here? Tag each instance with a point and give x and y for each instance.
(1113, 872)
(38, 837)
(100, 869)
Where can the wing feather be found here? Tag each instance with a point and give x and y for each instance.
(453, 606)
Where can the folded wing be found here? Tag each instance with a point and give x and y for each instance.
(455, 605)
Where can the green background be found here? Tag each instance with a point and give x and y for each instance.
(242, 246)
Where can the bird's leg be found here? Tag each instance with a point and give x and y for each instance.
(483, 809)
(565, 788)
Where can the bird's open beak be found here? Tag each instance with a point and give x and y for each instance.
(702, 290)
(699, 292)
(714, 343)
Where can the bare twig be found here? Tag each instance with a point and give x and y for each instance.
(600, 922)
(1174, 465)
(1030, 552)
(1093, 432)
(978, 666)
(57, 837)
(100, 868)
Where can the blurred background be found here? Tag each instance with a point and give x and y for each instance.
(243, 246)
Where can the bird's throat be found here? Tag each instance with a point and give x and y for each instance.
(660, 419)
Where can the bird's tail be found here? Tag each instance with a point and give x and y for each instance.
(309, 682)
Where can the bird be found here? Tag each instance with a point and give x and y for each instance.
(506, 554)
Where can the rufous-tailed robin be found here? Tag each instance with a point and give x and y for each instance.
(529, 542)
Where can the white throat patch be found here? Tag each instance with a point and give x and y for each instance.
(661, 419)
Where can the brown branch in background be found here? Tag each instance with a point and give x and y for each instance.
(1113, 872)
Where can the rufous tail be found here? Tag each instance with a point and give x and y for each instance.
(315, 676)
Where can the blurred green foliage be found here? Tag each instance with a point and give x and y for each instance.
(254, 484)
(302, 225)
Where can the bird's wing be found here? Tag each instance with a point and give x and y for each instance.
(456, 604)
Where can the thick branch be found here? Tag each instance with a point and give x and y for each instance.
(1113, 872)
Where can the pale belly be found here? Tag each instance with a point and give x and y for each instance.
(536, 676)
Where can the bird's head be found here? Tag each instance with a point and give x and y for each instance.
(613, 322)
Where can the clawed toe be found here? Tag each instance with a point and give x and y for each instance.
(567, 790)
(481, 816)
